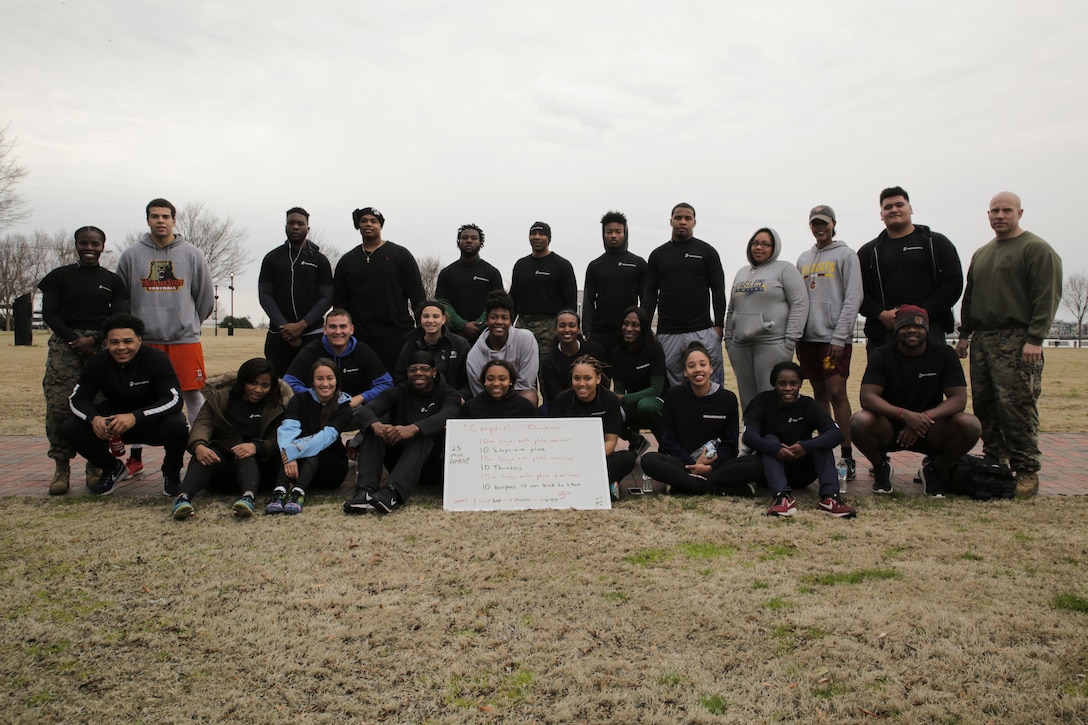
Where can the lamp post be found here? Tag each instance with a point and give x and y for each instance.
(230, 327)
(216, 312)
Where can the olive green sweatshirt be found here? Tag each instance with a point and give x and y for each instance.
(1013, 284)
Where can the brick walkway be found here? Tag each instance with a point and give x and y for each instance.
(27, 470)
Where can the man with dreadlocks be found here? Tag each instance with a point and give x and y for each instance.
(464, 285)
(614, 282)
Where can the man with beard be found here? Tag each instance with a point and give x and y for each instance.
(295, 290)
(614, 282)
(377, 282)
(463, 286)
(541, 285)
(683, 276)
(913, 397)
(907, 264)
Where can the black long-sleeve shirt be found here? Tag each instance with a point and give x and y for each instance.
(295, 286)
(543, 286)
(614, 281)
(682, 279)
(465, 286)
(689, 421)
(402, 405)
(377, 288)
(80, 298)
(145, 386)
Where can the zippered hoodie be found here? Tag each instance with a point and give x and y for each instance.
(832, 277)
(211, 422)
(768, 301)
(171, 289)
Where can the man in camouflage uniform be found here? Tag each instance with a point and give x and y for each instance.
(1014, 287)
(76, 298)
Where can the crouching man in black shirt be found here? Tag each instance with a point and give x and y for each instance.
(913, 397)
(141, 404)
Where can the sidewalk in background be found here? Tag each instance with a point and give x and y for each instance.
(27, 470)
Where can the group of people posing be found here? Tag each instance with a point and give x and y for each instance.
(395, 366)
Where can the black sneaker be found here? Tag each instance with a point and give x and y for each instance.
(109, 480)
(933, 480)
(882, 477)
(360, 504)
(171, 485)
(851, 468)
(385, 501)
(639, 445)
(275, 504)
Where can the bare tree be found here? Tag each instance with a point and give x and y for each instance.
(429, 267)
(1075, 298)
(13, 208)
(220, 239)
(24, 260)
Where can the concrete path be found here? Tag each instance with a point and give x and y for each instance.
(27, 470)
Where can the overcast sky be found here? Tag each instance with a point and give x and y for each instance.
(503, 113)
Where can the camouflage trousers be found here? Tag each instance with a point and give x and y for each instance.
(543, 329)
(62, 367)
(1004, 393)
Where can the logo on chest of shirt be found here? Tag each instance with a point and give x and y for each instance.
(349, 371)
(712, 416)
(307, 264)
(478, 278)
(926, 375)
(104, 288)
(750, 286)
(135, 383)
(161, 277)
(542, 273)
(254, 416)
(689, 255)
(643, 366)
(624, 264)
(915, 248)
(794, 420)
(426, 407)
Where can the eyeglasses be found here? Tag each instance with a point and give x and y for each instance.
(417, 369)
(759, 243)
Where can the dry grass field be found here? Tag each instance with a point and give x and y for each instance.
(662, 610)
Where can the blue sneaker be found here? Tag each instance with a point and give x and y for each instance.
(295, 501)
(275, 504)
(182, 509)
(108, 481)
(243, 507)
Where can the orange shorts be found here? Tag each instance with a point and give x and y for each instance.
(188, 361)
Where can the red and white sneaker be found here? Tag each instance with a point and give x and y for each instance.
(784, 505)
(134, 467)
(834, 505)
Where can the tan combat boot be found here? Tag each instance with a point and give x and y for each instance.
(94, 474)
(59, 485)
(1027, 483)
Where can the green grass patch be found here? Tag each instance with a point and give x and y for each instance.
(852, 577)
(776, 603)
(774, 551)
(668, 678)
(706, 550)
(614, 596)
(970, 556)
(757, 584)
(1070, 603)
(648, 556)
(715, 704)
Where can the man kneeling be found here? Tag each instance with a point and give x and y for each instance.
(913, 397)
(141, 403)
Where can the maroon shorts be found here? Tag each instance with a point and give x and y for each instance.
(814, 361)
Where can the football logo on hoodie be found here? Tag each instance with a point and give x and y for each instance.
(161, 277)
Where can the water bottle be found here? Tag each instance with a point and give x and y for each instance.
(117, 447)
(712, 449)
(647, 484)
(842, 476)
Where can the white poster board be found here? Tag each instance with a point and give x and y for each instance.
(530, 463)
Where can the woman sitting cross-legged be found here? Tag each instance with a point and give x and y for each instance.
(235, 432)
(309, 439)
(779, 425)
(402, 429)
(699, 432)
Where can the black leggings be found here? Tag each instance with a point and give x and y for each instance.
(729, 478)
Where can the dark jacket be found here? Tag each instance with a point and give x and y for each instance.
(450, 358)
(294, 287)
(937, 292)
(211, 424)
